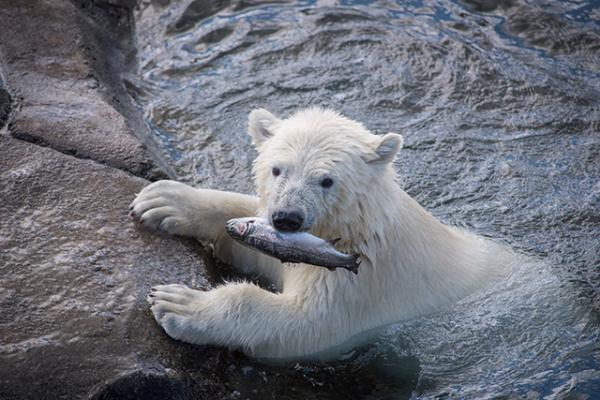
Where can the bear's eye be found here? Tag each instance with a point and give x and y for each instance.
(327, 182)
(276, 171)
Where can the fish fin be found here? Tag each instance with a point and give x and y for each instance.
(333, 242)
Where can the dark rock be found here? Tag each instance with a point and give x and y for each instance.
(5, 105)
(141, 385)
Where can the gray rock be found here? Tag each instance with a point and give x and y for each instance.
(74, 274)
(5, 105)
(61, 102)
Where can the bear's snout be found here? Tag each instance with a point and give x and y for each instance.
(288, 220)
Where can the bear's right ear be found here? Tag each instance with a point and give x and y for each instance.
(260, 125)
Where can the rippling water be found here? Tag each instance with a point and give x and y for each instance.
(499, 103)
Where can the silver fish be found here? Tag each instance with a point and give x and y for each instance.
(292, 247)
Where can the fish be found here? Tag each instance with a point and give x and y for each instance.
(290, 247)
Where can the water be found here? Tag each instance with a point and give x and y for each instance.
(499, 104)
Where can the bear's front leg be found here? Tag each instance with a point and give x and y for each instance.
(243, 316)
(178, 209)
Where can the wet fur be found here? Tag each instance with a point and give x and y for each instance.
(411, 263)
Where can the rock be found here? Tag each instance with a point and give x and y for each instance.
(74, 274)
(62, 102)
(5, 103)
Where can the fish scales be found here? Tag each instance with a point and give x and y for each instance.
(289, 247)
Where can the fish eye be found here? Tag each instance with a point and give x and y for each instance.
(327, 183)
(276, 171)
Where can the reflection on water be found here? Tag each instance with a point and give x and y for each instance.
(499, 106)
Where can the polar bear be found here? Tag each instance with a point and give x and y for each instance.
(320, 172)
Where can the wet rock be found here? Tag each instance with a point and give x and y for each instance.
(5, 102)
(62, 102)
(74, 274)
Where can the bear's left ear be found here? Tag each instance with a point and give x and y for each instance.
(386, 150)
(260, 125)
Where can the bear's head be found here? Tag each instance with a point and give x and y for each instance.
(318, 171)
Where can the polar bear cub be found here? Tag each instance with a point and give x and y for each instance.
(320, 172)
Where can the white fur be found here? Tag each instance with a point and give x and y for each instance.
(411, 263)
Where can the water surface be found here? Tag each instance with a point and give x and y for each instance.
(499, 104)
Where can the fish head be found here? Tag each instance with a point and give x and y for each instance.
(239, 228)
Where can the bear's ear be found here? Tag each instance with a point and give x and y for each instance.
(386, 150)
(260, 125)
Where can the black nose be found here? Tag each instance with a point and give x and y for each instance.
(290, 221)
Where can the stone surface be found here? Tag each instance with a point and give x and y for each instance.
(74, 274)
(61, 101)
(5, 105)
